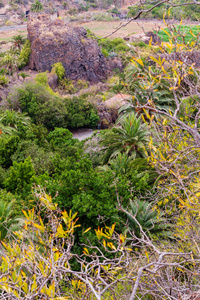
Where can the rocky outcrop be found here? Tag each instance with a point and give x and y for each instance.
(108, 110)
(153, 37)
(54, 41)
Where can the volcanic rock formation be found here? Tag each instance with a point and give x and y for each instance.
(53, 41)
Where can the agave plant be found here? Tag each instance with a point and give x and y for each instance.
(151, 222)
(131, 138)
(145, 90)
(151, 97)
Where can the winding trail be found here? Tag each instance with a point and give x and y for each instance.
(9, 28)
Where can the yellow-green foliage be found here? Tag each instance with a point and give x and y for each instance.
(82, 84)
(59, 70)
(68, 86)
(43, 79)
(3, 80)
(25, 54)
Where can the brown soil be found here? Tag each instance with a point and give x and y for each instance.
(135, 27)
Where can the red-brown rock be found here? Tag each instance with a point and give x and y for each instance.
(54, 41)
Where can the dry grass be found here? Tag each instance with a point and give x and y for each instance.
(136, 27)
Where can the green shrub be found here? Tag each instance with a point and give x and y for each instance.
(59, 70)
(24, 54)
(37, 6)
(105, 52)
(82, 84)
(42, 78)
(91, 34)
(2, 178)
(141, 44)
(114, 45)
(122, 47)
(23, 75)
(68, 86)
(94, 119)
(81, 113)
(104, 17)
(72, 11)
(60, 136)
(40, 103)
(94, 5)
(117, 41)
(115, 11)
(65, 4)
(83, 7)
(20, 176)
(3, 80)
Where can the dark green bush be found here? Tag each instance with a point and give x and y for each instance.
(115, 11)
(43, 107)
(81, 113)
(20, 176)
(114, 45)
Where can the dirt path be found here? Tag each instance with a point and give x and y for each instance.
(10, 28)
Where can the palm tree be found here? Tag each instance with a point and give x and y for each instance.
(13, 118)
(149, 220)
(6, 130)
(10, 62)
(131, 138)
(121, 164)
(18, 41)
(8, 223)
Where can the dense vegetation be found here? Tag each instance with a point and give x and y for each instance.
(115, 216)
(184, 33)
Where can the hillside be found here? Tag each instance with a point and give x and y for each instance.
(15, 10)
(99, 153)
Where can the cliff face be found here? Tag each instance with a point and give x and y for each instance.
(53, 41)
